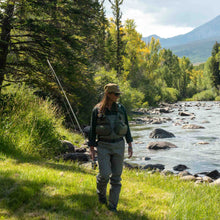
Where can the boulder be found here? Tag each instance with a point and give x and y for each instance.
(164, 110)
(131, 166)
(160, 145)
(185, 114)
(213, 174)
(153, 167)
(192, 126)
(205, 122)
(180, 167)
(76, 157)
(203, 142)
(166, 173)
(184, 173)
(216, 182)
(80, 150)
(188, 178)
(161, 133)
(146, 158)
(207, 179)
(68, 146)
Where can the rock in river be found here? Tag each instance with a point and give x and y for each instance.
(160, 145)
(160, 133)
(180, 167)
(153, 167)
(192, 126)
(185, 114)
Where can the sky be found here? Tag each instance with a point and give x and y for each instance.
(167, 18)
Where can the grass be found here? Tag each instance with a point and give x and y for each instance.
(30, 126)
(57, 190)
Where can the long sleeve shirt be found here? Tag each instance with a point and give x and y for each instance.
(113, 111)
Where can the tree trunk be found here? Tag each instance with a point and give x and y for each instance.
(5, 38)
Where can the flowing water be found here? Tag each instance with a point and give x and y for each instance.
(198, 157)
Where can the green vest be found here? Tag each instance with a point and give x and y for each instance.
(111, 126)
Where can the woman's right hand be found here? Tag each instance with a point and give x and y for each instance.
(92, 153)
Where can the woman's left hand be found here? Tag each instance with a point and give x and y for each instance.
(130, 150)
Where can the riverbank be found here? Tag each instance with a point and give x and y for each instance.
(56, 190)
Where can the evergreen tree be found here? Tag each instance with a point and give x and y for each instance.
(64, 31)
(119, 34)
(214, 67)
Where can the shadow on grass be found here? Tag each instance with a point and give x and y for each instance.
(70, 166)
(9, 149)
(24, 199)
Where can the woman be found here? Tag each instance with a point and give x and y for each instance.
(109, 126)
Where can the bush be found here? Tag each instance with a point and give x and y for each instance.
(29, 125)
(217, 98)
(170, 94)
(206, 95)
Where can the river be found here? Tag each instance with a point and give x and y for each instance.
(190, 151)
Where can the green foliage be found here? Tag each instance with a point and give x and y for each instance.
(206, 95)
(66, 32)
(131, 98)
(170, 68)
(217, 98)
(170, 95)
(29, 125)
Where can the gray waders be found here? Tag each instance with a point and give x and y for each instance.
(110, 159)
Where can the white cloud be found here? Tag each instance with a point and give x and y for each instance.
(167, 18)
(147, 25)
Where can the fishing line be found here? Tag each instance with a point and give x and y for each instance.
(58, 81)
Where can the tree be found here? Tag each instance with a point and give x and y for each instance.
(214, 67)
(170, 68)
(64, 31)
(134, 53)
(6, 20)
(119, 34)
(185, 71)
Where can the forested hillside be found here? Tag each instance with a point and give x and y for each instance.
(87, 51)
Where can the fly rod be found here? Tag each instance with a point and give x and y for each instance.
(58, 81)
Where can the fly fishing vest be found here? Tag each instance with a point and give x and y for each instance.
(111, 127)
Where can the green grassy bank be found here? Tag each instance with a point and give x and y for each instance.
(34, 186)
(49, 190)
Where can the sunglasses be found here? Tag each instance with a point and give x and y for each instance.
(117, 94)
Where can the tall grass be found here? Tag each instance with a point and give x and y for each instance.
(30, 126)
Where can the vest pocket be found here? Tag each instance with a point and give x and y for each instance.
(103, 130)
(121, 128)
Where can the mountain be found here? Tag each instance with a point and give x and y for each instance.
(197, 44)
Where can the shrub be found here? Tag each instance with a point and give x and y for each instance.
(170, 94)
(217, 98)
(206, 95)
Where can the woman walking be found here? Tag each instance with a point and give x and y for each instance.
(109, 126)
